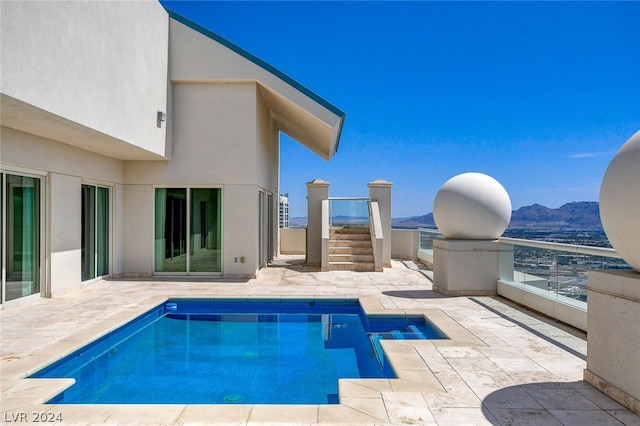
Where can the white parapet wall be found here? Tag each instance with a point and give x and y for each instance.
(613, 340)
(426, 257)
(405, 243)
(293, 241)
(562, 308)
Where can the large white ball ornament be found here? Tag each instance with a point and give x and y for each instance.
(472, 206)
(620, 201)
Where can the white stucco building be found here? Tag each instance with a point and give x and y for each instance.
(137, 143)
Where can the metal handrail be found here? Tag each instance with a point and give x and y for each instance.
(575, 248)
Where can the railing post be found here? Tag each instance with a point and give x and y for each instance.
(324, 263)
(380, 191)
(506, 262)
(317, 191)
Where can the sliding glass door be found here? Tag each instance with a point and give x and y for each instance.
(95, 232)
(171, 230)
(20, 236)
(205, 226)
(188, 238)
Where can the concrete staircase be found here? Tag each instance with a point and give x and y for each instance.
(350, 250)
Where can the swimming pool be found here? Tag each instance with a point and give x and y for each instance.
(211, 351)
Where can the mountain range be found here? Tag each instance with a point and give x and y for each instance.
(579, 215)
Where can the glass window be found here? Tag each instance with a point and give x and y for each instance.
(95, 231)
(88, 232)
(102, 231)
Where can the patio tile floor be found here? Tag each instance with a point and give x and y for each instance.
(505, 366)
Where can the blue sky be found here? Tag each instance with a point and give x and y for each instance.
(539, 95)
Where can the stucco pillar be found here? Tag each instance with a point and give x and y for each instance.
(317, 190)
(64, 234)
(380, 191)
(468, 267)
(613, 340)
(471, 210)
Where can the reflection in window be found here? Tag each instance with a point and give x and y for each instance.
(95, 232)
(188, 230)
(22, 239)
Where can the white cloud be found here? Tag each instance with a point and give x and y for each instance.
(590, 154)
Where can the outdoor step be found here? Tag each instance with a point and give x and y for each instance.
(351, 266)
(351, 236)
(337, 230)
(366, 258)
(349, 243)
(350, 250)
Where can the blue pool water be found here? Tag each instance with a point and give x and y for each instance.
(208, 351)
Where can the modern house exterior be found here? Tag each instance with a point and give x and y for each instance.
(135, 143)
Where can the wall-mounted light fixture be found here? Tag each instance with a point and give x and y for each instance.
(161, 117)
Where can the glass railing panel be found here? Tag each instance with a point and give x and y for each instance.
(426, 238)
(559, 270)
(349, 212)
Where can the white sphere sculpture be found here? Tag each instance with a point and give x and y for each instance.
(472, 206)
(620, 201)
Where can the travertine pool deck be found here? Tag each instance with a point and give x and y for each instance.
(504, 365)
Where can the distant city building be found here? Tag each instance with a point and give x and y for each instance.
(284, 211)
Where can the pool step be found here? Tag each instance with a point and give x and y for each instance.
(397, 334)
(377, 349)
(417, 332)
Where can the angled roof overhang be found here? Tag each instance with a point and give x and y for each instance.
(295, 110)
(19, 115)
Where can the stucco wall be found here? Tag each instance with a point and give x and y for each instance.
(404, 243)
(68, 168)
(44, 154)
(65, 233)
(240, 233)
(138, 213)
(213, 134)
(267, 147)
(100, 64)
(267, 167)
(117, 230)
(293, 241)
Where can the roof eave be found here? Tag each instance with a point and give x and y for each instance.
(338, 113)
